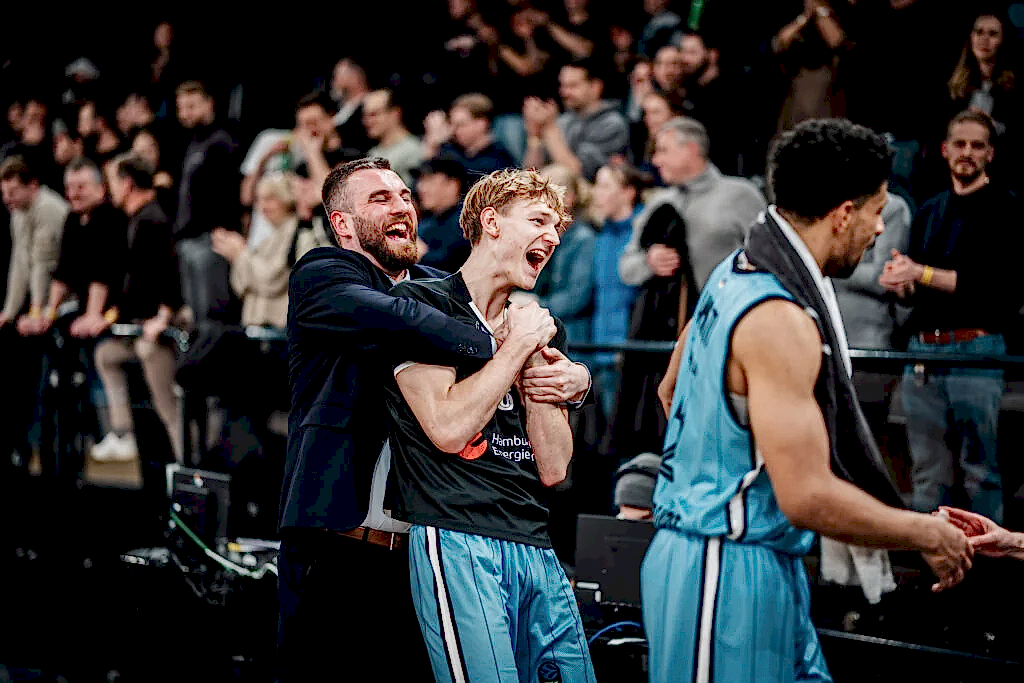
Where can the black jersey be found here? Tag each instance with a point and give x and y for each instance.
(492, 487)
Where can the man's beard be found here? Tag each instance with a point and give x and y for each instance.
(392, 258)
(970, 177)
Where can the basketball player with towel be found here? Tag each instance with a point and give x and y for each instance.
(472, 457)
(766, 444)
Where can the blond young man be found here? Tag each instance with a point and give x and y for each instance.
(473, 454)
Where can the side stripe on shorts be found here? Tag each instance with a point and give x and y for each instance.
(704, 659)
(445, 612)
(737, 508)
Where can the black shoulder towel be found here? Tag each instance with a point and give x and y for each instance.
(855, 456)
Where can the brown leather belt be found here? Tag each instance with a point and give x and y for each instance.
(386, 539)
(962, 335)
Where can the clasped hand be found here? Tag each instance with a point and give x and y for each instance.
(900, 274)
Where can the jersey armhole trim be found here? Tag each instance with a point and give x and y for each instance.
(730, 409)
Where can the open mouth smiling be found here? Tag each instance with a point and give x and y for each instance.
(398, 231)
(537, 257)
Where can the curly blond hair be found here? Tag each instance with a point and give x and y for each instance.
(501, 189)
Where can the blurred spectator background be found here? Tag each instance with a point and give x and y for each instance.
(655, 114)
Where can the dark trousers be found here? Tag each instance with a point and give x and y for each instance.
(345, 605)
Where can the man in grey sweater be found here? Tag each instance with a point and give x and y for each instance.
(716, 209)
(582, 139)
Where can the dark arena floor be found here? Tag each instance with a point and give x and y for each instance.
(75, 610)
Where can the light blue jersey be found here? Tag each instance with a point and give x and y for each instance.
(713, 481)
(725, 597)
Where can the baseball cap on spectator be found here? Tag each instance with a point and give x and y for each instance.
(634, 481)
(446, 165)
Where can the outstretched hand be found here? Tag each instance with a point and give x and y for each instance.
(985, 536)
(952, 558)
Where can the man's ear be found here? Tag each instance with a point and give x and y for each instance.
(944, 149)
(489, 222)
(341, 225)
(840, 217)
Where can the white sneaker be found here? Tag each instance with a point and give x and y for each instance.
(114, 447)
(126, 449)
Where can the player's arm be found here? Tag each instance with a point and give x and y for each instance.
(451, 413)
(778, 349)
(547, 428)
(667, 387)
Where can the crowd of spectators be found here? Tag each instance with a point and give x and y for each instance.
(655, 114)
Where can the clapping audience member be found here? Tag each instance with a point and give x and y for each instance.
(382, 117)
(575, 32)
(953, 413)
(349, 87)
(207, 199)
(808, 50)
(466, 136)
(260, 276)
(616, 205)
(441, 184)
(522, 55)
(586, 136)
(566, 285)
(312, 148)
(148, 294)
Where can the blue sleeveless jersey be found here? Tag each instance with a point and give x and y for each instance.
(712, 480)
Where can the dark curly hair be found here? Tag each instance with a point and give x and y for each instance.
(822, 163)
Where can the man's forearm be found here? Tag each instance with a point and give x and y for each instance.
(534, 156)
(559, 150)
(452, 418)
(840, 510)
(547, 427)
(97, 300)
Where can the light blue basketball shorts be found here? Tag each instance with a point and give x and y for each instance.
(722, 612)
(495, 611)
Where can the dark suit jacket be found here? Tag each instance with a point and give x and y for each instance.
(343, 330)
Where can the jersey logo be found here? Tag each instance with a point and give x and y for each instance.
(549, 672)
(476, 447)
(506, 402)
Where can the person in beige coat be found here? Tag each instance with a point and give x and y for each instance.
(37, 223)
(260, 276)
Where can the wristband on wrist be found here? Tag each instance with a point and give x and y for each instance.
(34, 311)
(822, 11)
(50, 313)
(926, 275)
(111, 315)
